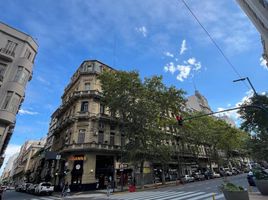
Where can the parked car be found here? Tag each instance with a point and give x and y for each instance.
(208, 174)
(216, 175)
(10, 188)
(228, 173)
(187, 179)
(44, 188)
(234, 171)
(25, 186)
(198, 176)
(18, 188)
(31, 188)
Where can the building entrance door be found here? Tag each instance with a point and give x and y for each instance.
(104, 170)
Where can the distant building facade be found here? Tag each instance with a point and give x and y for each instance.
(228, 120)
(7, 172)
(24, 162)
(257, 11)
(17, 54)
(198, 103)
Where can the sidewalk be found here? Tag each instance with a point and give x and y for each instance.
(257, 196)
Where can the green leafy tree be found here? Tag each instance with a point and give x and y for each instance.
(255, 121)
(142, 109)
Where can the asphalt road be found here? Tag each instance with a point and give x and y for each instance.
(200, 190)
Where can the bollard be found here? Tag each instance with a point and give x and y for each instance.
(249, 188)
(213, 196)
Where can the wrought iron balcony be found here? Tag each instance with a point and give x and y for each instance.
(7, 54)
(91, 146)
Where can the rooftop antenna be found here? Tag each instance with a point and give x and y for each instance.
(195, 89)
(114, 52)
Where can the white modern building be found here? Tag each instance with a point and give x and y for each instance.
(17, 54)
(257, 11)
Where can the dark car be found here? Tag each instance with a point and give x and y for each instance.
(198, 176)
(208, 174)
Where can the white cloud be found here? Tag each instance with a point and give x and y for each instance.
(168, 54)
(263, 63)
(27, 112)
(42, 80)
(184, 72)
(10, 151)
(197, 65)
(183, 47)
(234, 115)
(142, 30)
(191, 61)
(170, 67)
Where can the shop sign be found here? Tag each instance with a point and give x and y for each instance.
(77, 158)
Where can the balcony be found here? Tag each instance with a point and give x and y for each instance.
(86, 93)
(82, 115)
(92, 146)
(62, 124)
(6, 54)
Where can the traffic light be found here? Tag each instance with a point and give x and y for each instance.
(179, 120)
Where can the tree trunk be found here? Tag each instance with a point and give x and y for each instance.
(141, 174)
(163, 175)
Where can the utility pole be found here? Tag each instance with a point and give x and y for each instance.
(246, 78)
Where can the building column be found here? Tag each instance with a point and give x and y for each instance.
(89, 169)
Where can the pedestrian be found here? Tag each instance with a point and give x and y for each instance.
(66, 190)
(97, 183)
(108, 189)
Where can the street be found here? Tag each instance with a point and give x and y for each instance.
(192, 191)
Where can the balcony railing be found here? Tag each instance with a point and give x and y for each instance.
(7, 52)
(87, 92)
(91, 145)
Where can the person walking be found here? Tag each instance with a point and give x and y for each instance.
(109, 189)
(66, 190)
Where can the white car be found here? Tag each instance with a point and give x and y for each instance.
(228, 173)
(44, 188)
(187, 178)
(216, 175)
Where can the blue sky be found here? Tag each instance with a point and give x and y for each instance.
(154, 37)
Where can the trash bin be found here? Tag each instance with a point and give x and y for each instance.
(132, 188)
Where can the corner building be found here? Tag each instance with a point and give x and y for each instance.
(84, 134)
(17, 54)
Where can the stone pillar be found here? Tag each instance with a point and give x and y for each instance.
(89, 169)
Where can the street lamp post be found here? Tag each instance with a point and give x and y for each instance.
(246, 78)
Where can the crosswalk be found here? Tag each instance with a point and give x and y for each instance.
(168, 195)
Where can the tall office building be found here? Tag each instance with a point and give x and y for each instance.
(17, 54)
(257, 11)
